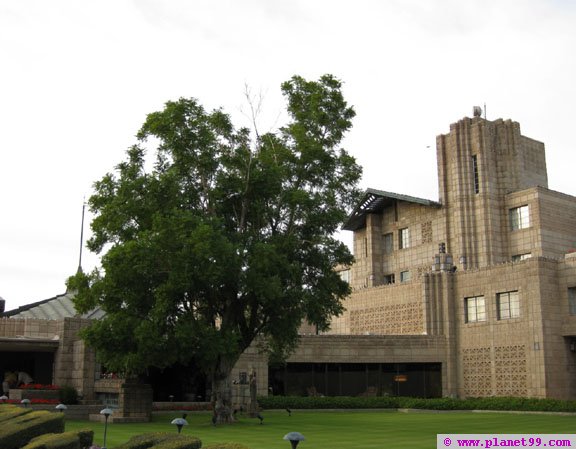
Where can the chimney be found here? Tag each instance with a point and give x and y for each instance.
(2, 306)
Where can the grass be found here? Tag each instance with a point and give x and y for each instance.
(338, 429)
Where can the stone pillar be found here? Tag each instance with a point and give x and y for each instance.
(134, 402)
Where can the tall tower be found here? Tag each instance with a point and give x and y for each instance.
(479, 162)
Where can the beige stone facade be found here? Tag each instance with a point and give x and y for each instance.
(68, 361)
(482, 281)
(488, 266)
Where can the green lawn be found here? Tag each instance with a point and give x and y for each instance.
(339, 429)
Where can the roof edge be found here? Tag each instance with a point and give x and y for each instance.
(373, 201)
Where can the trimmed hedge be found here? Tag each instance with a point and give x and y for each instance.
(180, 443)
(383, 402)
(86, 437)
(226, 446)
(8, 411)
(68, 440)
(162, 440)
(17, 432)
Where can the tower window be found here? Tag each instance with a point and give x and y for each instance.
(475, 173)
(519, 218)
(572, 300)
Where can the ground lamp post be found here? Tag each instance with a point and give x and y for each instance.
(106, 412)
(61, 407)
(3, 398)
(25, 402)
(294, 438)
(179, 422)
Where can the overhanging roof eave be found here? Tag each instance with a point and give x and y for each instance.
(374, 201)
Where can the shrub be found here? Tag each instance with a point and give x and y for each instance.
(182, 442)
(17, 432)
(85, 437)
(384, 402)
(192, 406)
(325, 402)
(68, 395)
(226, 446)
(162, 440)
(8, 412)
(146, 440)
(67, 440)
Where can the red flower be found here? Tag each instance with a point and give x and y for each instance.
(35, 401)
(39, 387)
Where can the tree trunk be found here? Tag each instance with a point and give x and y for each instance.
(222, 395)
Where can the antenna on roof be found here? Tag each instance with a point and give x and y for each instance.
(81, 235)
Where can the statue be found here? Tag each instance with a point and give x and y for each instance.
(253, 404)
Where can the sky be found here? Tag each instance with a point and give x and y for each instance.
(78, 77)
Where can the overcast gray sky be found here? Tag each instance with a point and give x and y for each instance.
(77, 79)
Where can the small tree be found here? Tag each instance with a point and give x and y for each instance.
(224, 239)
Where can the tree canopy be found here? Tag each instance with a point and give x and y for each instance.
(224, 237)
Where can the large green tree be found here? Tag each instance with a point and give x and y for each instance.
(223, 239)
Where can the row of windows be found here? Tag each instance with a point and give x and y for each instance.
(507, 306)
(403, 240)
(405, 276)
(519, 219)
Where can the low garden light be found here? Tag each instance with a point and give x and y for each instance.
(61, 407)
(4, 398)
(294, 438)
(106, 412)
(25, 402)
(179, 423)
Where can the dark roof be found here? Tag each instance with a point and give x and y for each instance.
(375, 201)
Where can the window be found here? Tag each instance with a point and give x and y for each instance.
(508, 305)
(389, 278)
(475, 309)
(388, 243)
(520, 257)
(519, 218)
(404, 238)
(345, 275)
(405, 276)
(572, 300)
(475, 173)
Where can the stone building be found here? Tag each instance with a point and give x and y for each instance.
(470, 295)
